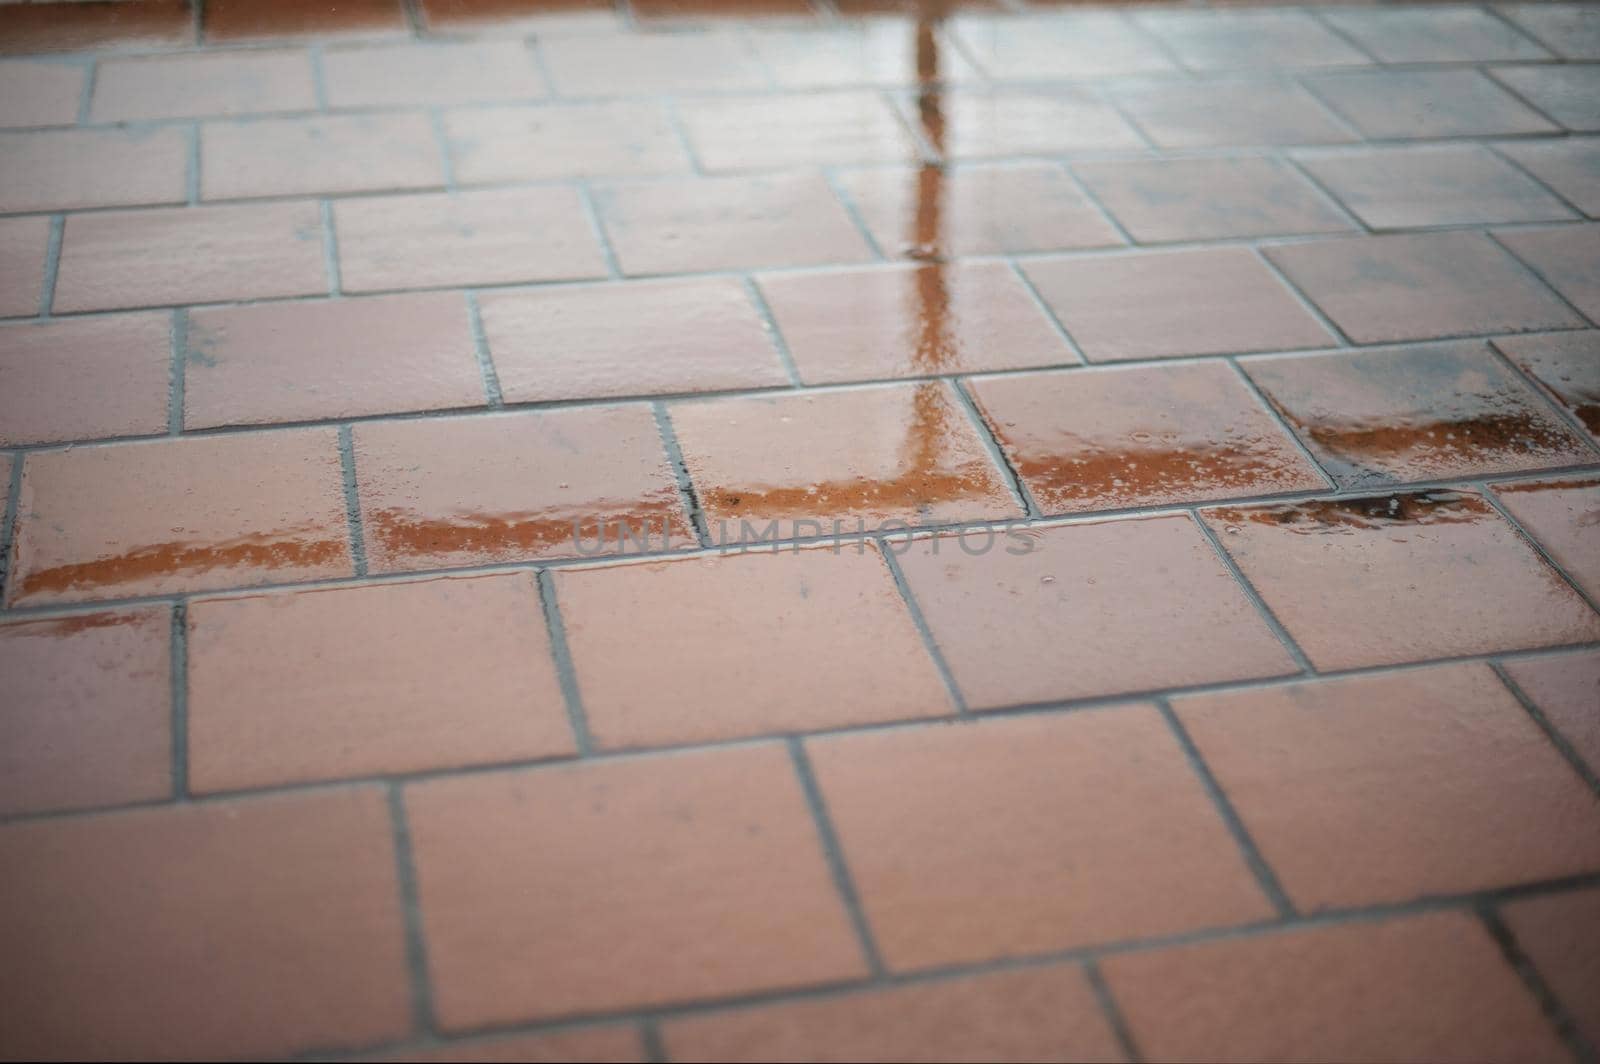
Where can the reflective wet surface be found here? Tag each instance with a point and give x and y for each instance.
(1567, 365)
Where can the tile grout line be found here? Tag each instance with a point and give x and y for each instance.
(319, 78)
(1358, 225)
(1537, 275)
(352, 501)
(651, 1041)
(566, 669)
(52, 266)
(688, 498)
(1282, 422)
(769, 323)
(1265, 877)
(597, 225)
(1098, 207)
(1055, 323)
(1254, 596)
(90, 77)
(1492, 497)
(178, 656)
(1488, 71)
(1555, 1012)
(9, 519)
(330, 250)
(918, 620)
(177, 373)
(669, 106)
(480, 349)
(997, 453)
(1529, 381)
(852, 211)
(1307, 304)
(441, 140)
(833, 854)
(1551, 732)
(1497, 149)
(1112, 1011)
(423, 1015)
(192, 175)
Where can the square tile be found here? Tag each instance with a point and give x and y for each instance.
(1063, 830)
(1568, 165)
(258, 928)
(1039, 47)
(1567, 258)
(623, 883)
(199, 84)
(334, 683)
(1402, 104)
(978, 209)
(1557, 932)
(730, 134)
(1433, 34)
(76, 168)
(1562, 516)
(177, 515)
(1410, 187)
(730, 223)
(1143, 436)
(1432, 986)
(434, 73)
(1337, 780)
(723, 670)
(314, 361)
(1565, 688)
(85, 379)
(441, 492)
(1228, 113)
(624, 138)
(638, 338)
(251, 20)
(1236, 40)
(1380, 289)
(1566, 365)
(177, 255)
(1417, 413)
(1176, 200)
(40, 93)
(89, 709)
(328, 154)
(23, 247)
(1568, 94)
(1163, 303)
(651, 64)
(862, 53)
(1014, 122)
(1572, 31)
(486, 237)
(809, 464)
(911, 321)
(1405, 577)
(1085, 610)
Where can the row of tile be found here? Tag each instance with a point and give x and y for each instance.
(705, 871)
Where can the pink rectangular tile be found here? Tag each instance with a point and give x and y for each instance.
(730, 134)
(1407, 104)
(65, 169)
(1228, 112)
(1443, 34)
(40, 93)
(85, 379)
(200, 84)
(1055, 46)
(623, 138)
(173, 515)
(327, 154)
(23, 245)
(1007, 122)
(435, 73)
(884, 53)
(650, 64)
(1232, 39)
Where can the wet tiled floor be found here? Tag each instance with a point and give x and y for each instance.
(799, 530)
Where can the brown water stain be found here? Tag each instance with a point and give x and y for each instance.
(1167, 470)
(1347, 516)
(61, 627)
(299, 549)
(1356, 453)
(600, 527)
(1568, 484)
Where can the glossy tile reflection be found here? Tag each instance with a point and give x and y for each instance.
(1567, 365)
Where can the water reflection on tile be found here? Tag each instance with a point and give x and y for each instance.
(1567, 365)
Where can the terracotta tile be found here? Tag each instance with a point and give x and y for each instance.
(935, 211)
(1572, 31)
(333, 683)
(722, 670)
(467, 491)
(1381, 289)
(1011, 122)
(85, 379)
(1147, 436)
(626, 138)
(1230, 112)
(179, 515)
(1239, 40)
(730, 134)
(318, 156)
(23, 243)
(1567, 365)
(195, 85)
(1407, 577)
(1337, 780)
(1406, 187)
(84, 26)
(640, 338)
(911, 321)
(34, 93)
(176, 255)
(1064, 830)
(576, 1046)
(1400, 104)
(1044, 47)
(887, 456)
(1416, 413)
(1568, 94)
(1568, 259)
(1562, 516)
(1427, 987)
(864, 53)
(1029, 1014)
(1558, 933)
(730, 223)
(232, 20)
(256, 928)
(1569, 165)
(435, 73)
(689, 875)
(649, 64)
(89, 709)
(313, 361)
(1565, 687)
(492, 236)
(498, 16)
(1088, 609)
(1156, 304)
(68, 169)
(1432, 34)
(1208, 199)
